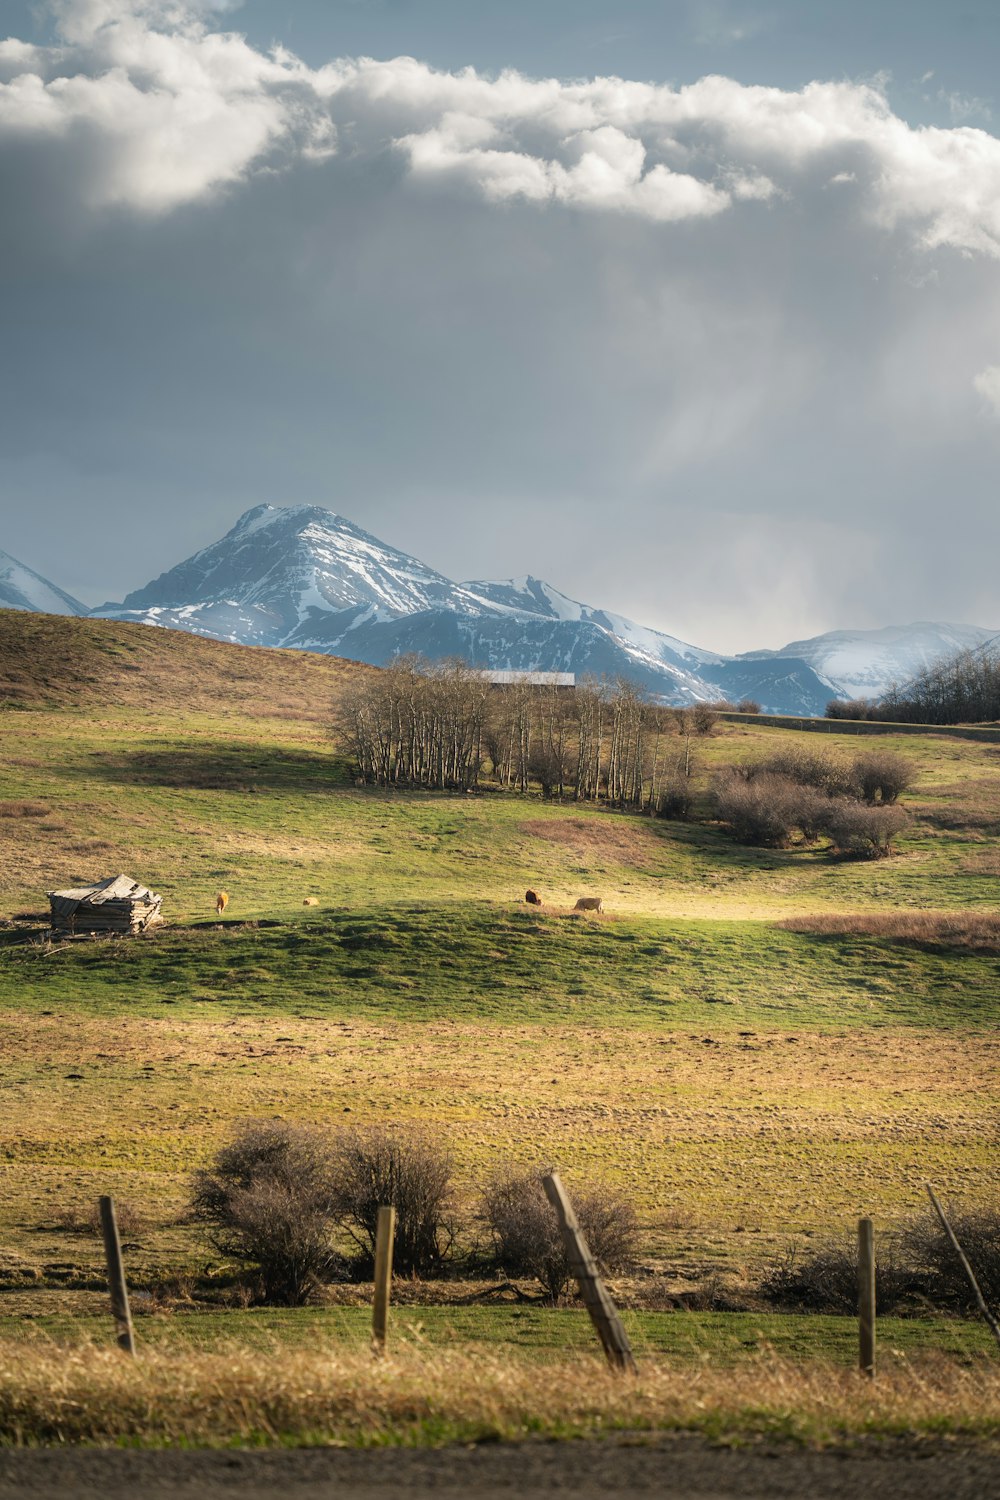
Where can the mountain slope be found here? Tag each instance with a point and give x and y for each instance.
(23, 588)
(278, 567)
(862, 663)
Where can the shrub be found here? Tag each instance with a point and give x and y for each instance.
(827, 1279)
(748, 706)
(377, 1166)
(932, 1254)
(767, 810)
(862, 831)
(702, 718)
(853, 708)
(268, 1202)
(825, 773)
(675, 801)
(87, 1220)
(881, 776)
(526, 1236)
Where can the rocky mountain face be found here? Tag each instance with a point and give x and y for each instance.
(302, 576)
(22, 588)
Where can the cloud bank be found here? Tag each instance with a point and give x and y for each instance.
(162, 108)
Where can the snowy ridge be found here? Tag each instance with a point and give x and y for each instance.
(22, 588)
(302, 576)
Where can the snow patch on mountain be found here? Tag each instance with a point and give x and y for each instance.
(864, 663)
(22, 588)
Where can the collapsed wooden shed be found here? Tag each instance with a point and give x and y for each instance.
(114, 905)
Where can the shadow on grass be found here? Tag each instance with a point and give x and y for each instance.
(227, 767)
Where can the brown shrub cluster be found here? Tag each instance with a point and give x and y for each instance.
(526, 1238)
(799, 793)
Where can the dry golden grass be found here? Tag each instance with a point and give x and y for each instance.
(424, 1396)
(610, 839)
(968, 931)
(46, 659)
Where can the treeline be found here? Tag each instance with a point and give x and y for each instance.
(443, 726)
(961, 689)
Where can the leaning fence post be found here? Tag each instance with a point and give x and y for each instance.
(385, 1230)
(866, 1297)
(120, 1310)
(976, 1289)
(603, 1313)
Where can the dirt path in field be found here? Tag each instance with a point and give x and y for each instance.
(586, 1470)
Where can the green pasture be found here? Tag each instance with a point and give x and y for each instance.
(524, 1332)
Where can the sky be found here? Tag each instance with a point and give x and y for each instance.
(691, 309)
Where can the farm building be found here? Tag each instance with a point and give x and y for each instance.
(115, 905)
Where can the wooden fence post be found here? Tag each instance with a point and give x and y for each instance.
(866, 1297)
(385, 1231)
(120, 1310)
(603, 1313)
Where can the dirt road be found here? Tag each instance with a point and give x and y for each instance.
(668, 1467)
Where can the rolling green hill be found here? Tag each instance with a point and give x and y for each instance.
(747, 1082)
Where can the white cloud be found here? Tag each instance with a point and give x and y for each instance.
(167, 110)
(987, 383)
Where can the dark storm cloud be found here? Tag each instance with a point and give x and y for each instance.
(742, 425)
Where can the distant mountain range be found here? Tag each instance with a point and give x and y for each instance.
(301, 576)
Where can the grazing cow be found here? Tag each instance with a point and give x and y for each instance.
(589, 903)
(311, 901)
(221, 902)
(533, 898)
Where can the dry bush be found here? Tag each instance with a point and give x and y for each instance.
(766, 810)
(87, 1220)
(932, 1254)
(975, 932)
(526, 1236)
(268, 1202)
(748, 706)
(861, 831)
(881, 776)
(826, 1281)
(675, 801)
(826, 773)
(379, 1166)
(702, 718)
(852, 708)
(22, 808)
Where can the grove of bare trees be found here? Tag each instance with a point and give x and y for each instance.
(444, 726)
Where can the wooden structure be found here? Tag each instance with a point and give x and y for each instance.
(115, 905)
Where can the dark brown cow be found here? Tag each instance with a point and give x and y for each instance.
(533, 898)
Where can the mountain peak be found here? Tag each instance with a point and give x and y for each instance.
(22, 588)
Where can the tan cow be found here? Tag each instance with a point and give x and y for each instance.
(221, 902)
(589, 903)
(311, 901)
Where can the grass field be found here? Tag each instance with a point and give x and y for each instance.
(749, 1084)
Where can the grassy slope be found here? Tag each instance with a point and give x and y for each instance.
(746, 1083)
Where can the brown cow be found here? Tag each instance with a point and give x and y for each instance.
(533, 898)
(221, 902)
(589, 903)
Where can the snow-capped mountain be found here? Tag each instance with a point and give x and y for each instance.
(302, 576)
(863, 663)
(23, 588)
(281, 571)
